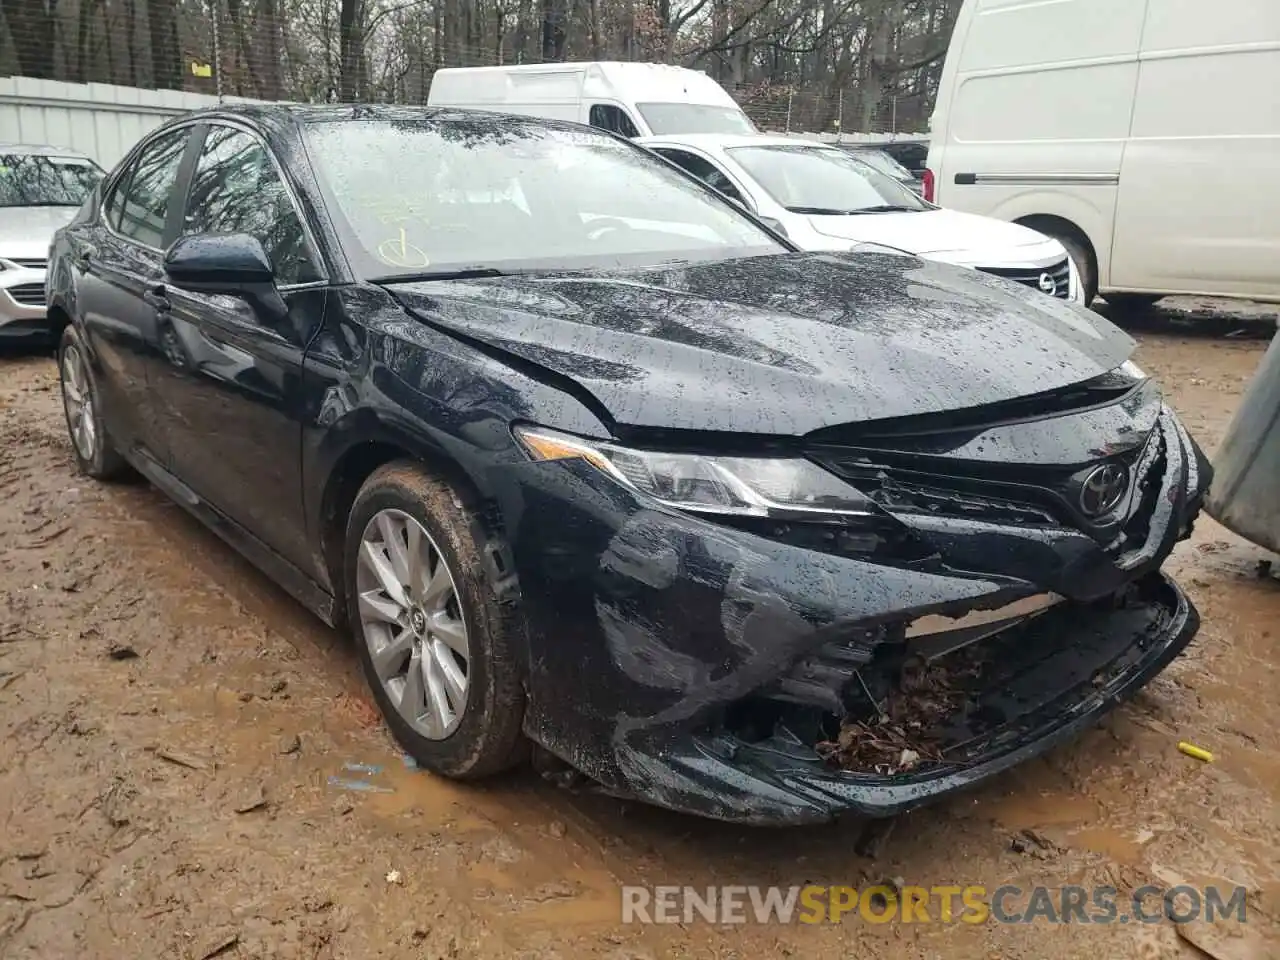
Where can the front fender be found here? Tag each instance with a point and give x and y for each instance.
(378, 384)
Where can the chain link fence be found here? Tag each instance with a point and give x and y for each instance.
(254, 50)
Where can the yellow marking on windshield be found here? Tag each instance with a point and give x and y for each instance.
(392, 210)
(399, 252)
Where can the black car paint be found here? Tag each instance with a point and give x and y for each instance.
(669, 615)
(715, 344)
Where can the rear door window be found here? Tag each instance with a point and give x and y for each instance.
(115, 199)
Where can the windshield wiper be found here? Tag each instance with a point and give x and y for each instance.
(459, 273)
(44, 203)
(819, 211)
(887, 208)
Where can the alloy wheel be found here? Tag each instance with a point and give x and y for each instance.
(77, 398)
(411, 619)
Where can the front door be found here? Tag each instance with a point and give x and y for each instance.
(231, 386)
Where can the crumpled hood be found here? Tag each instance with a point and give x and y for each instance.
(927, 232)
(26, 232)
(781, 345)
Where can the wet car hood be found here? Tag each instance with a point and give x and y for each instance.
(781, 345)
(25, 232)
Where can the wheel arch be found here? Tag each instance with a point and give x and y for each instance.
(1053, 225)
(58, 319)
(366, 443)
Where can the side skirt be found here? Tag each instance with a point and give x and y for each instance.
(294, 582)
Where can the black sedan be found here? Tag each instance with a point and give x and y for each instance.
(588, 460)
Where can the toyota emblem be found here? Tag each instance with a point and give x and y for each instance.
(1048, 284)
(1103, 489)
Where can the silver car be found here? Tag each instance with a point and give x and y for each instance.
(41, 188)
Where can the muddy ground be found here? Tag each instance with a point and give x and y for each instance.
(199, 796)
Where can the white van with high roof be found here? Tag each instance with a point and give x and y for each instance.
(1142, 134)
(631, 99)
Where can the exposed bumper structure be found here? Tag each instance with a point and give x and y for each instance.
(696, 665)
(1072, 672)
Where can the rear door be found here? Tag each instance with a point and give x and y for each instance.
(231, 381)
(119, 269)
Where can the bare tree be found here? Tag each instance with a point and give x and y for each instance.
(806, 64)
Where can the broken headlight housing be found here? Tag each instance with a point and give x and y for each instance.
(780, 487)
(1131, 370)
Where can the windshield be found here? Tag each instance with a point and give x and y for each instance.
(665, 119)
(502, 193)
(38, 180)
(883, 162)
(823, 181)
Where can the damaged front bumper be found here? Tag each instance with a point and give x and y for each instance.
(1062, 674)
(696, 666)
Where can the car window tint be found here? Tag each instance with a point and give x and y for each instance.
(706, 171)
(146, 201)
(115, 200)
(237, 189)
(606, 116)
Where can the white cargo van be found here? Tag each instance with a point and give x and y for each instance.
(1143, 134)
(633, 99)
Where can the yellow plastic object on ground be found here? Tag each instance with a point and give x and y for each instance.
(1191, 750)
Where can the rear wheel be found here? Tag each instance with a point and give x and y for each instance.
(437, 645)
(94, 452)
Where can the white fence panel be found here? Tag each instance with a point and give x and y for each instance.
(97, 119)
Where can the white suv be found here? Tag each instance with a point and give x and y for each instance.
(41, 188)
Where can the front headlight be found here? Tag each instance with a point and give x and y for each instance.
(742, 486)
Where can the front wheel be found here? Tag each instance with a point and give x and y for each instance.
(437, 644)
(94, 452)
(1079, 255)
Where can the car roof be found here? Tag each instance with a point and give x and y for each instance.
(302, 114)
(726, 141)
(42, 150)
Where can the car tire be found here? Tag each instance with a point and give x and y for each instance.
(93, 449)
(1131, 302)
(484, 734)
(1080, 256)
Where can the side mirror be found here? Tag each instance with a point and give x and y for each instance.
(233, 263)
(219, 263)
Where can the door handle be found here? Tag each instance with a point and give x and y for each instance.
(158, 297)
